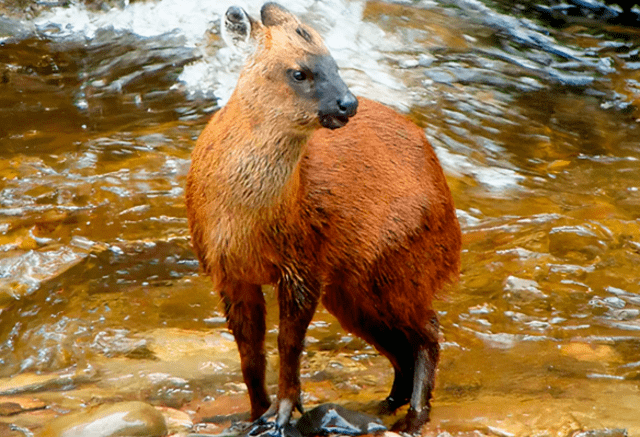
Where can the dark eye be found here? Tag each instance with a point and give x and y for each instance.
(299, 75)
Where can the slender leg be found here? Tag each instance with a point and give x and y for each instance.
(245, 309)
(426, 360)
(400, 391)
(394, 344)
(390, 341)
(297, 305)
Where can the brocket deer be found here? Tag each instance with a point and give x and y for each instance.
(297, 183)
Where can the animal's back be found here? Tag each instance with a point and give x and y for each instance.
(375, 188)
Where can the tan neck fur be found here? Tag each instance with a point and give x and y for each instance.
(258, 155)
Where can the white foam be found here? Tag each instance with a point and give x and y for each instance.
(191, 18)
(357, 46)
(498, 180)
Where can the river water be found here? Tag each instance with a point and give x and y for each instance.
(537, 128)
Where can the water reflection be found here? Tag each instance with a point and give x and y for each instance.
(535, 126)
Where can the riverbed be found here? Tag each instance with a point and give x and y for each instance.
(536, 126)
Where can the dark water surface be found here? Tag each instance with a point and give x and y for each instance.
(537, 129)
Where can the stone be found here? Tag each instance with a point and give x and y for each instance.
(114, 420)
(330, 418)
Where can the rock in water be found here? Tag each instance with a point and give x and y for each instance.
(116, 420)
(334, 419)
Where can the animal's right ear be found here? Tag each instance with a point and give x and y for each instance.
(272, 14)
(239, 30)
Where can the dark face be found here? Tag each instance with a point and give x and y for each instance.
(317, 79)
(290, 56)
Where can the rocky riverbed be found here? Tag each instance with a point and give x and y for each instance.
(105, 319)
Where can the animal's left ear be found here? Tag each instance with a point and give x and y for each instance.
(239, 30)
(272, 14)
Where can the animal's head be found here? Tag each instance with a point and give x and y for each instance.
(290, 71)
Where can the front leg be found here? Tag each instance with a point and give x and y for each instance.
(297, 301)
(245, 310)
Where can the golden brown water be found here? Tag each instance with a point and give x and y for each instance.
(100, 296)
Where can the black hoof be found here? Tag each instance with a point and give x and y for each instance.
(390, 405)
(412, 423)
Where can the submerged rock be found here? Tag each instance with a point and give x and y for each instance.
(334, 419)
(15, 29)
(606, 432)
(324, 420)
(577, 242)
(10, 406)
(268, 430)
(116, 420)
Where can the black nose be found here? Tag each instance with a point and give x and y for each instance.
(348, 105)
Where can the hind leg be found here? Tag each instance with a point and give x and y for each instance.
(245, 310)
(414, 357)
(426, 354)
(394, 345)
(356, 316)
(410, 344)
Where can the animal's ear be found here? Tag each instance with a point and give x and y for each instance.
(239, 30)
(273, 14)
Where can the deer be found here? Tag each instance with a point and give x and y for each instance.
(331, 199)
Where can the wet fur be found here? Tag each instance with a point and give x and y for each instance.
(359, 217)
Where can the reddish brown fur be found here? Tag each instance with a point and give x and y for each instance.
(360, 217)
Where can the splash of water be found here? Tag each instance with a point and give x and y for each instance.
(358, 46)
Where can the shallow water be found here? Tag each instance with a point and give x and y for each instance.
(536, 127)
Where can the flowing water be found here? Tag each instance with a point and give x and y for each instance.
(538, 131)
